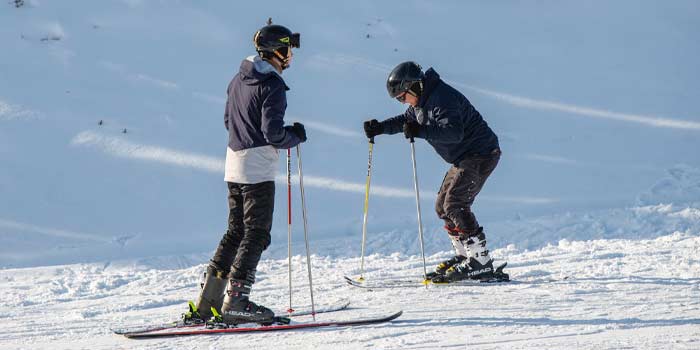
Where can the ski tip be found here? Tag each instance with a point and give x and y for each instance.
(395, 315)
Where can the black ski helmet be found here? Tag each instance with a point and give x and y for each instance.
(274, 40)
(406, 76)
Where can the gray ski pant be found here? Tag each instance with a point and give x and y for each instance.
(459, 188)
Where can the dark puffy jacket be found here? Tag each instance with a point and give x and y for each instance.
(255, 108)
(448, 122)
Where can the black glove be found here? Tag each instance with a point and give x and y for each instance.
(373, 128)
(411, 129)
(298, 129)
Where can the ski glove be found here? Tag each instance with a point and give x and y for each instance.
(298, 129)
(373, 128)
(411, 129)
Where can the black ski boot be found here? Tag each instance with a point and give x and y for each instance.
(460, 251)
(479, 265)
(212, 295)
(238, 309)
(442, 267)
(470, 269)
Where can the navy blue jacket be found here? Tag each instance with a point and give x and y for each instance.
(448, 122)
(257, 100)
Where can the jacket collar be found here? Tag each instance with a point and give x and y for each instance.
(254, 70)
(430, 81)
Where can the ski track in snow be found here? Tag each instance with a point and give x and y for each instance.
(525, 102)
(140, 77)
(601, 294)
(22, 227)
(122, 148)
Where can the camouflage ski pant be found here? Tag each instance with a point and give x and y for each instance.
(459, 188)
(249, 223)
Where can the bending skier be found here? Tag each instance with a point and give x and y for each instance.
(447, 120)
(254, 119)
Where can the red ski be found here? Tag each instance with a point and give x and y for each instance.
(339, 305)
(202, 330)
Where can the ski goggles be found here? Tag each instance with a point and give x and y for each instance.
(295, 40)
(402, 97)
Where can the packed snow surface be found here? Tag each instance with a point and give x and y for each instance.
(599, 294)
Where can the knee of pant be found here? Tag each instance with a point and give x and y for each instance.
(452, 210)
(439, 212)
(235, 226)
(215, 269)
(440, 208)
(265, 241)
(259, 239)
(257, 223)
(233, 233)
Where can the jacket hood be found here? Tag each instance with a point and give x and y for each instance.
(254, 70)
(430, 81)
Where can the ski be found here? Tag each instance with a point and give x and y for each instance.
(387, 284)
(249, 328)
(405, 283)
(339, 305)
(500, 277)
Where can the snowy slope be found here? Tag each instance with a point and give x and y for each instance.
(602, 294)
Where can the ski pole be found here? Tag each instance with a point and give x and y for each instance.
(306, 232)
(364, 219)
(420, 221)
(289, 224)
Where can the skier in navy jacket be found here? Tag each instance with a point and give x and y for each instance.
(447, 121)
(254, 118)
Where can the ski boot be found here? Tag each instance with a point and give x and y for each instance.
(442, 267)
(479, 265)
(238, 309)
(211, 296)
(460, 250)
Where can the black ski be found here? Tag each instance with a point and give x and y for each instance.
(499, 277)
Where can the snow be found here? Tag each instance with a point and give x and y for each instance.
(595, 204)
(587, 294)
